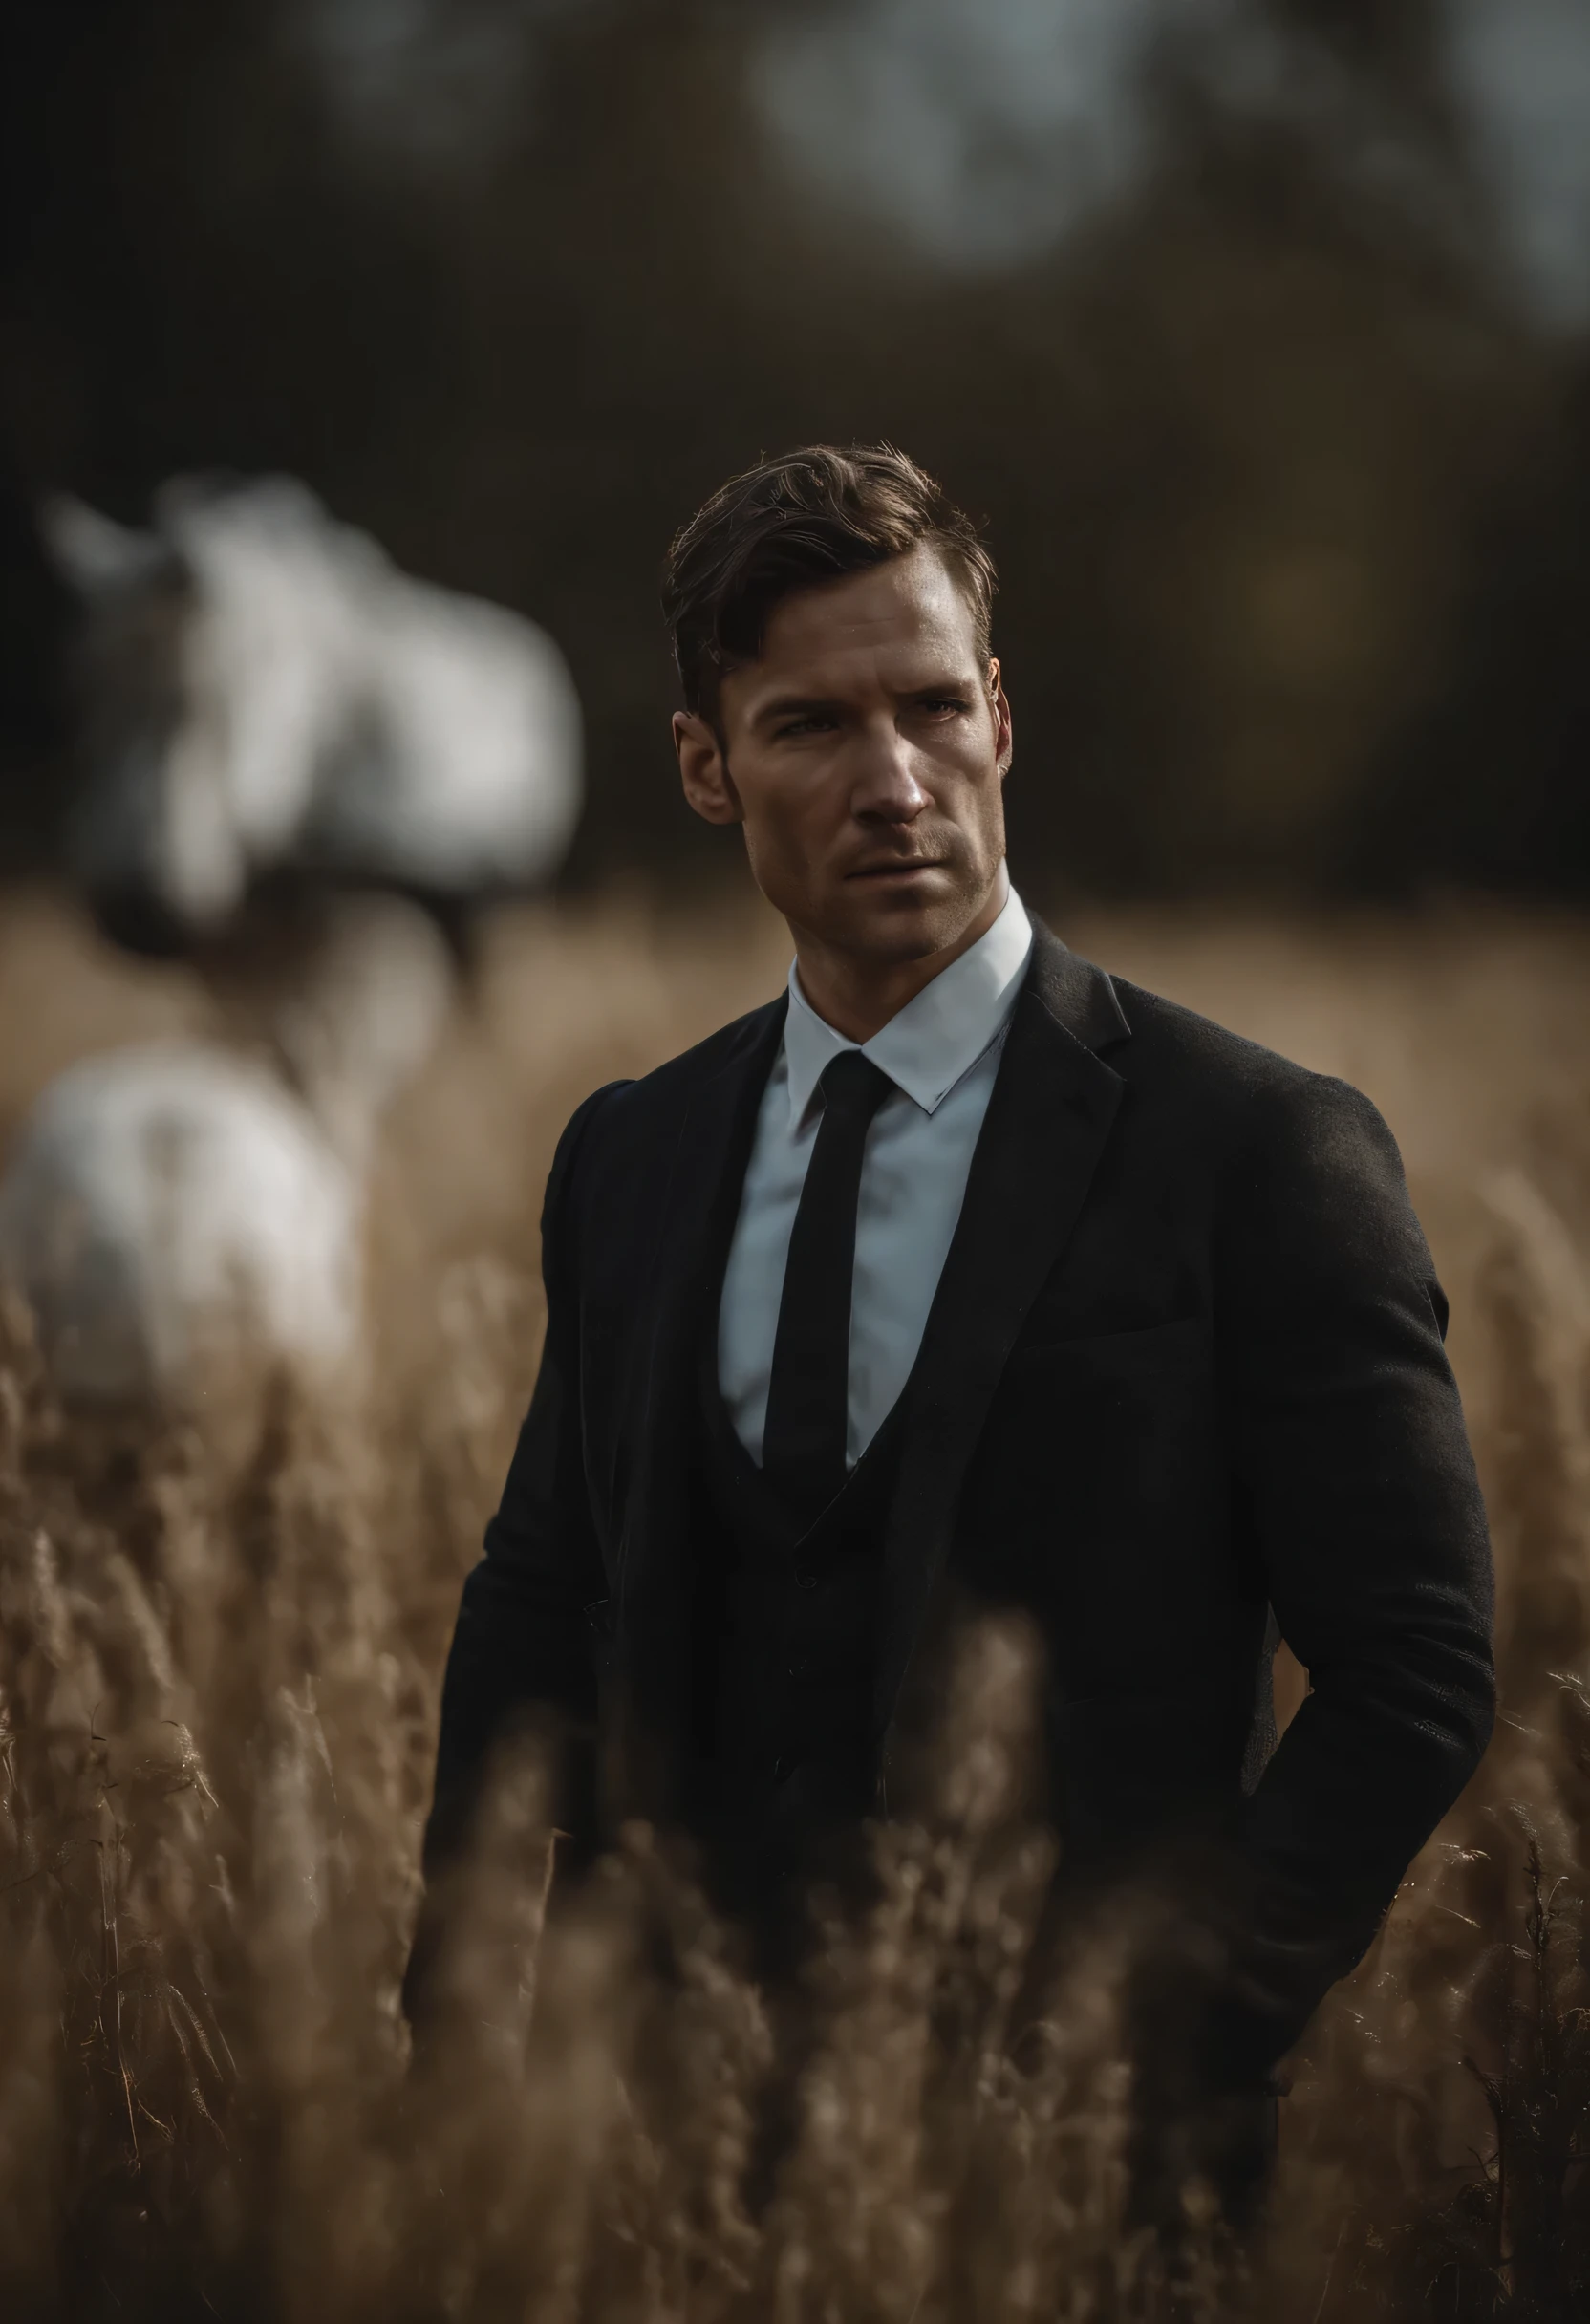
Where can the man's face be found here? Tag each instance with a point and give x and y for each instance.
(864, 752)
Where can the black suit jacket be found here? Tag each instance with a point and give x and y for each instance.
(1184, 1366)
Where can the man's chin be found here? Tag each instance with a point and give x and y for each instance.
(905, 922)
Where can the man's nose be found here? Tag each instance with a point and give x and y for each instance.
(887, 789)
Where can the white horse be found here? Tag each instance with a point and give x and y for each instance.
(187, 1221)
(263, 691)
(170, 1213)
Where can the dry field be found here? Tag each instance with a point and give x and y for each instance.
(219, 1656)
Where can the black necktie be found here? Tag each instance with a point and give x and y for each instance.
(803, 1446)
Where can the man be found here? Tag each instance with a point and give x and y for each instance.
(963, 1271)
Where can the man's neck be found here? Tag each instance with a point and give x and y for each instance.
(858, 996)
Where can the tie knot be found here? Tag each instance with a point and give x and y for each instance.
(853, 1086)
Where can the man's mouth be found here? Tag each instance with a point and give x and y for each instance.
(896, 869)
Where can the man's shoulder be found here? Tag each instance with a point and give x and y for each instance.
(652, 1102)
(1224, 1079)
(1168, 1037)
(1158, 1045)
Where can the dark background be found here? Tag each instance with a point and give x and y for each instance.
(1278, 419)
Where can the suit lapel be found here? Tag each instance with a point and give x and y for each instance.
(706, 1172)
(1049, 1118)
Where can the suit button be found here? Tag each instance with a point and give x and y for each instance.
(805, 1581)
(784, 1766)
(801, 1669)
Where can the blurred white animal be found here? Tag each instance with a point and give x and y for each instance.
(261, 692)
(182, 1223)
(169, 1210)
(260, 689)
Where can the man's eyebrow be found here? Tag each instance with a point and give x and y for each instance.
(792, 705)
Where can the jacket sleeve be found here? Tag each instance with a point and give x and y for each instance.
(523, 1641)
(1352, 1460)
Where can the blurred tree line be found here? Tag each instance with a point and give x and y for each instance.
(1289, 491)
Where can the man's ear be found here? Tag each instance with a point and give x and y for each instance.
(1003, 740)
(704, 769)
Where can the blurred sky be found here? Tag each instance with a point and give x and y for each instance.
(983, 130)
(1257, 330)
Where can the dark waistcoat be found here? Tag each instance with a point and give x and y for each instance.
(785, 1653)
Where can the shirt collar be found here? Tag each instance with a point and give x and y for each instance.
(926, 1046)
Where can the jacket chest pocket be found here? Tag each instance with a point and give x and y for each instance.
(1135, 1409)
(1103, 1447)
(1182, 1348)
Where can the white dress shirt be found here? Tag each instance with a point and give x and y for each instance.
(941, 1052)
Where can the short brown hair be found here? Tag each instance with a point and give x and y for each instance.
(793, 523)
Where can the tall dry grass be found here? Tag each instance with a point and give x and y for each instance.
(218, 1676)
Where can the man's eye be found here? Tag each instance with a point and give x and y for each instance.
(942, 702)
(809, 725)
